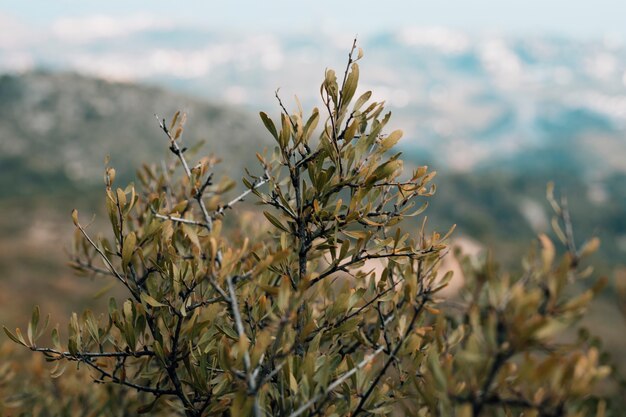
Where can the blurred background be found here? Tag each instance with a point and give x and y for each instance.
(498, 97)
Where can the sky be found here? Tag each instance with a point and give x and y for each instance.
(575, 18)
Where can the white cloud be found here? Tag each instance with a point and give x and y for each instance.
(501, 60)
(91, 28)
(442, 39)
(15, 34)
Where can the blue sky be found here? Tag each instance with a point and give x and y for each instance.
(577, 18)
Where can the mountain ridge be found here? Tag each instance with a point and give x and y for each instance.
(61, 126)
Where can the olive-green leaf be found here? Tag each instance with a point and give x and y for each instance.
(269, 124)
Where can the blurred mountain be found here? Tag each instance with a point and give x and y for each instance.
(56, 129)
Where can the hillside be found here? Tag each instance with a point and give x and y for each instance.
(56, 129)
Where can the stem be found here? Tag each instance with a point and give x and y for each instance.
(369, 358)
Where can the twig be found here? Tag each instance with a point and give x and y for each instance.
(177, 151)
(234, 307)
(104, 258)
(369, 358)
(178, 219)
(392, 357)
(85, 355)
(220, 211)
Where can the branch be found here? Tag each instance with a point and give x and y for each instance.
(392, 357)
(102, 255)
(83, 356)
(357, 259)
(143, 388)
(178, 219)
(252, 386)
(368, 359)
(177, 151)
(77, 263)
(230, 204)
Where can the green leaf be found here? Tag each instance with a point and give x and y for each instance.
(191, 234)
(350, 87)
(311, 124)
(362, 100)
(285, 131)
(269, 124)
(130, 244)
(56, 342)
(151, 301)
(16, 338)
(276, 222)
(227, 331)
(391, 140)
(32, 325)
(58, 370)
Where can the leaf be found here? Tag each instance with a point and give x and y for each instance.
(174, 119)
(362, 100)
(178, 132)
(32, 325)
(437, 372)
(16, 338)
(558, 231)
(356, 234)
(269, 124)
(547, 253)
(130, 244)
(590, 247)
(384, 171)
(276, 222)
(227, 331)
(121, 197)
(58, 370)
(285, 131)
(311, 124)
(391, 140)
(192, 235)
(293, 384)
(151, 301)
(56, 342)
(350, 87)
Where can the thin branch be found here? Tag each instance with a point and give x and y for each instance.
(230, 204)
(345, 74)
(368, 359)
(178, 219)
(86, 355)
(77, 263)
(177, 151)
(357, 259)
(104, 258)
(252, 385)
(116, 380)
(392, 357)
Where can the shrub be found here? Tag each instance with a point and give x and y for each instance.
(326, 307)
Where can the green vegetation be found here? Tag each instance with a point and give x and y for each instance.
(325, 306)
